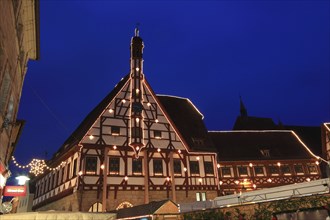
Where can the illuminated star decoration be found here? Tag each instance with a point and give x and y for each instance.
(37, 166)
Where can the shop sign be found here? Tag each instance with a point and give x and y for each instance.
(14, 191)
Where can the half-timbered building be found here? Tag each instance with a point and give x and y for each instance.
(260, 154)
(19, 44)
(134, 147)
(325, 129)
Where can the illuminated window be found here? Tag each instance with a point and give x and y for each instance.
(46, 185)
(177, 166)
(124, 205)
(286, 169)
(63, 176)
(51, 178)
(208, 167)
(274, 170)
(74, 171)
(194, 167)
(226, 171)
(96, 207)
(157, 134)
(114, 165)
(158, 166)
(115, 130)
(90, 165)
(201, 196)
(242, 171)
(137, 166)
(299, 169)
(68, 171)
(312, 169)
(56, 179)
(259, 171)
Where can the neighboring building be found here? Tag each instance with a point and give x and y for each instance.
(326, 145)
(259, 154)
(262, 159)
(134, 148)
(160, 210)
(25, 202)
(19, 43)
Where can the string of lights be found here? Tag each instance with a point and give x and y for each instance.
(37, 166)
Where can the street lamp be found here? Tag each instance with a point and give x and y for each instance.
(22, 179)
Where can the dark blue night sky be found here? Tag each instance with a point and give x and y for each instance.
(275, 54)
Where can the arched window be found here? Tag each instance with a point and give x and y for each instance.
(124, 205)
(96, 207)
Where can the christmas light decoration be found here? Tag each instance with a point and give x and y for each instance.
(37, 166)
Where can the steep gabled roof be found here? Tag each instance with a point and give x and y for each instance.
(142, 210)
(254, 123)
(310, 135)
(85, 125)
(188, 120)
(250, 145)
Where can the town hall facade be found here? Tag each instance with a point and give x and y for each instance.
(128, 151)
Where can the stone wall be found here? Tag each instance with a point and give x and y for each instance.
(68, 203)
(71, 202)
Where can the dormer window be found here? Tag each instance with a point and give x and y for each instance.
(265, 152)
(198, 141)
(115, 130)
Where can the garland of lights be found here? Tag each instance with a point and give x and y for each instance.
(37, 166)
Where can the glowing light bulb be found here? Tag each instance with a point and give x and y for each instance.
(278, 164)
(167, 179)
(114, 147)
(220, 182)
(179, 151)
(137, 68)
(137, 91)
(102, 166)
(250, 164)
(123, 101)
(156, 121)
(91, 137)
(126, 178)
(218, 165)
(185, 169)
(317, 163)
(148, 104)
(197, 158)
(200, 180)
(110, 110)
(236, 182)
(158, 150)
(137, 148)
(137, 120)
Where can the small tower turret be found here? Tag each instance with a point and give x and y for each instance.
(136, 74)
